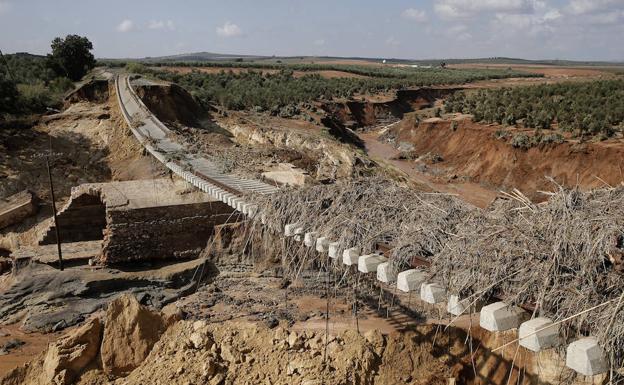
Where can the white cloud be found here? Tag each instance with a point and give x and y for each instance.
(319, 42)
(229, 30)
(125, 26)
(414, 14)
(605, 18)
(596, 12)
(161, 24)
(5, 6)
(544, 22)
(466, 8)
(392, 41)
(581, 7)
(459, 32)
(552, 15)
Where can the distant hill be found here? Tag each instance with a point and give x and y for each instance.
(213, 57)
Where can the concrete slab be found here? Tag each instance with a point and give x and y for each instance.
(350, 256)
(289, 229)
(16, 208)
(410, 280)
(72, 252)
(334, 250)
(309, 238)
(455, 306)
(369, 263)
(538, 334)
(586, 357)
(432, 293)
(299, 234)
(251, 210)
(499, 316)
(386, 272)
(322, 244)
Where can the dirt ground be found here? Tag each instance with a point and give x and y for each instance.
(472, 152)
(89, 143)
(386, 153)
(34, 343)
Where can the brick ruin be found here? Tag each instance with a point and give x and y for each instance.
(140, 220)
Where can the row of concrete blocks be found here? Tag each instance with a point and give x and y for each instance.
(585, 355)
(216, 192)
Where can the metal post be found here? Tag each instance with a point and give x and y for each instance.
(56, 225)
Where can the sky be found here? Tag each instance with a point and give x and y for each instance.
(409, 29)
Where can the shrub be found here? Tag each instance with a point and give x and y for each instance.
(586, 108)
(552, 138)
(137, 68)
(521, 141)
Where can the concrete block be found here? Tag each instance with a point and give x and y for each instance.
(252, 210)
(410, 280)
(386, 272)
(586, 357)
(309, 239)
(432, 293)
(369, 263)
(499, 316)
(350, 256)
(322, 244)
(334, 250)
(289, 229)
(299, 234)
(547, 336)
(457, 307)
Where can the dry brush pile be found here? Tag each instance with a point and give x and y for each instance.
(560, 257)
(363, 212)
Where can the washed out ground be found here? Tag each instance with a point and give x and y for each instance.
(94, 146)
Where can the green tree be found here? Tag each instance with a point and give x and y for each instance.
(71, 57)
(8, 94)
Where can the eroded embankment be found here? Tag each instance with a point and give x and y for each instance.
(363, 113)
(472, 150)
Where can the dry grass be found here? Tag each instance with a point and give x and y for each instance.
(557, 256)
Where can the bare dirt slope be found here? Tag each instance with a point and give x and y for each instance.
(89, 143)
(473, 151)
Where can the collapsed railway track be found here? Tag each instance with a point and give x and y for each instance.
(585, 355)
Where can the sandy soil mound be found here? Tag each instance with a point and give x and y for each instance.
(131, 332)
(243, 353)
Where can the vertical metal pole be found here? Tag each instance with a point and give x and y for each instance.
(56, 225)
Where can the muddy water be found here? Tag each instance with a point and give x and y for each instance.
(34, 343)
(472, 193)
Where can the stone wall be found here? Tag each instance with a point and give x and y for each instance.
(165, 232)
(82, 220)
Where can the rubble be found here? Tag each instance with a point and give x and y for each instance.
(17, 207)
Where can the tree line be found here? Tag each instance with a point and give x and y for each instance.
(254, 89)
(31, 83)
(364, 70)
(583, 108)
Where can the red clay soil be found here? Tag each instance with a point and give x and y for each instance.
(471, 150)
